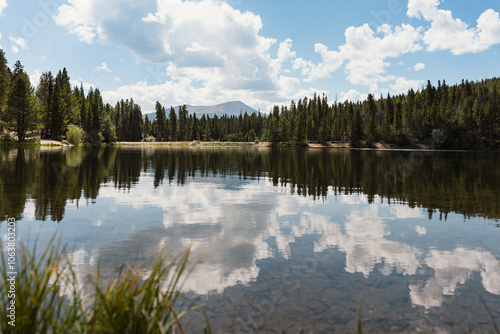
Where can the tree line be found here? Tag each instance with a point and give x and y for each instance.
(462, 116)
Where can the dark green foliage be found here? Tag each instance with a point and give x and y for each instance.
(4, 87)
(108, 130)
(75, 134)
(463, 116)
(61, 106)
(21, 113)
(45, 95)
(356, 129)
(161, 123)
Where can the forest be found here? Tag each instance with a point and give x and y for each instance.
(459, 116)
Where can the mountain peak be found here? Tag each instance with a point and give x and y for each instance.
(230, 108)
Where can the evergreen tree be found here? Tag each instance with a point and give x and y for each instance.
(45, 95)
(4, 85)
(21, 111)
(371, 114)
(61, 105)
(147, 126)
(356, 129)
(172, 118)
(195, 135)
(182, 122)
(388, 117)
(136, 122)
(161, 122)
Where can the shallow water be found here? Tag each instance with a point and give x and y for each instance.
(285, 240)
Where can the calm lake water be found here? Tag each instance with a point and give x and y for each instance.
(289, 240)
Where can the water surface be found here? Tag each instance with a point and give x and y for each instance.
(289, 240)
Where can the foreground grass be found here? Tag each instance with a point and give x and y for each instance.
(49, 298)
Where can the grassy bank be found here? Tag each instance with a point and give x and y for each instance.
(50, 299)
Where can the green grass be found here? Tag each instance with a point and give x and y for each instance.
(49, 297)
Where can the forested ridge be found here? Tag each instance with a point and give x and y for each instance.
(460, 116)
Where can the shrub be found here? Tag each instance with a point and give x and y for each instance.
(75, 134)
(6, 138)
(149, 139)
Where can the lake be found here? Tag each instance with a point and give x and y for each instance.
(283, 240)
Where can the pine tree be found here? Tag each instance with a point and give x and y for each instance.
(4, 85)
(195, 135)
(182, 122)
(45, 95)
(147, 127)
(172, 118)
(136, 122)
(61, 105)
(161, 122)
(388, 117)
(21, 111)
(371, 114)
(356, 128)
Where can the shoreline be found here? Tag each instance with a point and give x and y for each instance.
(338, 145)
(49, 143)
(54, 144)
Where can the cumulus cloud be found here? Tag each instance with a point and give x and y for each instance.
(403, 85)
(103, 67)
(3, 5)
(365, 52)
(35, 77)
(419, 67)
(206, 41)
(352, 95)
(86, 86)
(211, 52)
(449, 33)
(17, 44)
(421, 230)
(452, 268)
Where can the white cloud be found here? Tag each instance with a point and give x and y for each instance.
(206, 41)
(403, 85)
(452, 268)
(35, 77)
(103, 67)
(405, 212)
(448, 33)
(78, 17)
(3, 5)
(352, 95)
(18, 43)
(421, 230)
(419, 67)
(86, 85)
(117, 79)
(285, 50)
(365, 52)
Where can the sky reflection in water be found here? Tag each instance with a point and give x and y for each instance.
(236, 224)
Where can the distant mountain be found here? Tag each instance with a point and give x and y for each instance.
(229, 108)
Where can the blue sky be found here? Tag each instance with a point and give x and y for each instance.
(204, 52)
